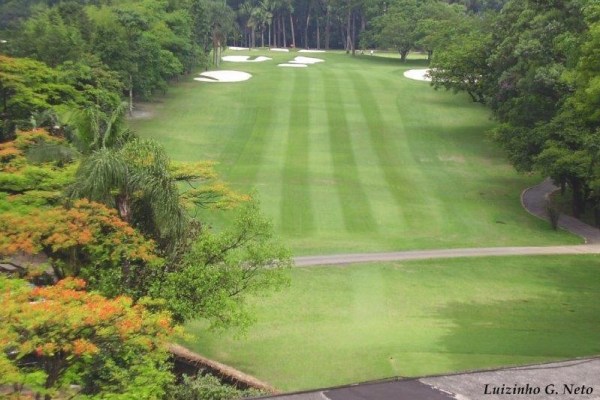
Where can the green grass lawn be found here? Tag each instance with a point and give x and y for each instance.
(348, 155)
(349, 324)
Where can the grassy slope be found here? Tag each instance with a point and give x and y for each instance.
(343, 325)
(348, 155)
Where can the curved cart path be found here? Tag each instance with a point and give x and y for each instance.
(533, 200)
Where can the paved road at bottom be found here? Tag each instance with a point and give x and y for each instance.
(577, 379)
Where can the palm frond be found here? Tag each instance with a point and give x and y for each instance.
(99, 175)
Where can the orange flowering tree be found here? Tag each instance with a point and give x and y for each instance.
(25, 184)
(87, 240)
(62, 340)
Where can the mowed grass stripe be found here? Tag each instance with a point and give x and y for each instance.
(270, 177)
(326, 205)
(386, 212)
(296, 207)
(354, 203)
(389, 144)
(261, 132)
(442, 148)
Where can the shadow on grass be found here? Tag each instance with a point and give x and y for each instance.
(392, 61)
(533, 329)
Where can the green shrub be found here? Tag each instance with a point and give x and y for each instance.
(208, 387)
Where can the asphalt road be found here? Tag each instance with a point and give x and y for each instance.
(566, 380)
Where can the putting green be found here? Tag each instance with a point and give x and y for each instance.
(348, 155)
(341, 325)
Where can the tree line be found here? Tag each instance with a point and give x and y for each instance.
(536, 66)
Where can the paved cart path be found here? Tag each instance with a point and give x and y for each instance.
(533, 200)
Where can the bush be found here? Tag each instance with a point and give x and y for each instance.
(208, 387)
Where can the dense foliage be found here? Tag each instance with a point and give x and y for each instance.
(142, 241)
(61, 340)
(207, 387)
(535, 65)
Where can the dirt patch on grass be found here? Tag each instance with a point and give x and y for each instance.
(141, 111)
(452, 158)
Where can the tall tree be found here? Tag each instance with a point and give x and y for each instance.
(397, 28)
(47, 38)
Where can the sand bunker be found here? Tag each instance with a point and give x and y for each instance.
(311, 51)
(223, 76)
(284, 50)
(238, 48)
(245, 59)
(292, 65)
(306, 60)
(418, 74)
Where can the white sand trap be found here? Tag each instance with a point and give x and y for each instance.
(418, 74)
(307, 60)
(245, 59)
(283, 50)
(311, 51)
(223, 76)
(238, 48)
(292, 65)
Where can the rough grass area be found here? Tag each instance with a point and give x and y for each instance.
(348, 155)
(343, 325)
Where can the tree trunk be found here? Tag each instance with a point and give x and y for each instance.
(318, 35)
(253, 44)
(327, 29)
(283, 30)
(123, 207)
(578, 198)
(473, 97)
(353, 35)
(130, 95)
(403, 55)
(306, 30)
(348, 46)
(53, 366)
(292, 30)
(277, 32)
(262, 37)
(269, 35)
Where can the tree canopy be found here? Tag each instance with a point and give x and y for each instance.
(532, 65)
(62, 340)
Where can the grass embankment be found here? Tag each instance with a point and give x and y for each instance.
(349, 324)
(348, 155)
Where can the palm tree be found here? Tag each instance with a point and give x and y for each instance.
(131, 175)
(261, 18)
(244, 14)
(269, 7)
